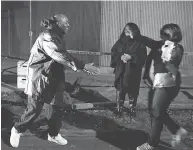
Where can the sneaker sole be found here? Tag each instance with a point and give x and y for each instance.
(176, 143)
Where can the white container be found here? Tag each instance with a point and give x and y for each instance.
(21, 82)
(21, 74)
(22, 67)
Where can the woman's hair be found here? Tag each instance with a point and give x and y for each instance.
(171, 32)
(134, 28)
(48, 24)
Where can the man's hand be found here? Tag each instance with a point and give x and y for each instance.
(125, 58)
(90, 69)
(73, 66)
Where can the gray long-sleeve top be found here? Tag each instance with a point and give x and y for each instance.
(47, 60)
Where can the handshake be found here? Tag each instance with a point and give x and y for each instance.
(125, 57)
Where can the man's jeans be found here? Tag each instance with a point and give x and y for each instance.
(159, 101)
(34, 108)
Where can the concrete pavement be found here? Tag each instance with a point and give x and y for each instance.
(104, 141)
(74, 143)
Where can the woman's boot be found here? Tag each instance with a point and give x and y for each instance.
(132, 106)
(120, 104)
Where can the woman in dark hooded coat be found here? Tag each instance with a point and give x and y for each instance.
(127, 58)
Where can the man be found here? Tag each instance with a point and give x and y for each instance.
(45, 73)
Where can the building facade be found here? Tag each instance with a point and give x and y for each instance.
(95, 25)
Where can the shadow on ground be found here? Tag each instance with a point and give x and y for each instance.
(128, 139)
(115, 137)
(125, 140)
(106, 129)
(7, 121)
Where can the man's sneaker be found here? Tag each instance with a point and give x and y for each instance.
(15, 137)
(145, 146)
(57, 139)
(180, 134)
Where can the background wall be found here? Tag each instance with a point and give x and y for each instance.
(84, 31)
(150, 16)
(95, 25)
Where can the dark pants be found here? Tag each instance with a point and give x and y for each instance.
(159, 101)
(132, 98)
(132, 90)
(34, 108)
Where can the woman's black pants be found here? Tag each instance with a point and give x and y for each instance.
(159, 101)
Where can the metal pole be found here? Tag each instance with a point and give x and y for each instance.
(30, 30)
(9, 32)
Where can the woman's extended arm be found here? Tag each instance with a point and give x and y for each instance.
(149, 42)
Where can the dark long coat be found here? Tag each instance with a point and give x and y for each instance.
(128, 75)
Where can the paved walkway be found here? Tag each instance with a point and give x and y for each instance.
(90, 139)
(117, 140)
(107, 141)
